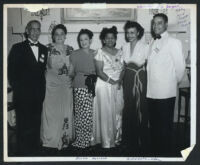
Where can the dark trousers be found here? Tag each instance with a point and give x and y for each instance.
(28, 118)
(161, 113)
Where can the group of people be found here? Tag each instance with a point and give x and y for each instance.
(79, 98)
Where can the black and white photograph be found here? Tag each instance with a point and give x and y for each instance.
(99, 82)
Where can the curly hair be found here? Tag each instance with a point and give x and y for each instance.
(105, 31)
(132, 24)
(59, 26)
(84, 31)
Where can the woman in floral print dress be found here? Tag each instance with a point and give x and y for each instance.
(57, 115)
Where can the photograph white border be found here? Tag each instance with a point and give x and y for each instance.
(193, 44)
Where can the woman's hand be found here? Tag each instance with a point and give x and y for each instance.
(113, 82)
(12, 118)
(71, 71)
(119, 84)
(49, 61)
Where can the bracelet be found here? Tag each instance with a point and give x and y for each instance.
(108, 80)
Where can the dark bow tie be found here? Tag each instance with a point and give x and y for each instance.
(157, 37)
(32, 44)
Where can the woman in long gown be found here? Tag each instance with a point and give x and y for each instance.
(82, 61)
(108, 103)
(57, 115)
(135, 114)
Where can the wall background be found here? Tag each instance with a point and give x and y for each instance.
(18, 18)
(179, 27)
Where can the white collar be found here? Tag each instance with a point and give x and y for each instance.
(165, 33)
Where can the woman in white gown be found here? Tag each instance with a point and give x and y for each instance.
(108, 103)
(57, 114)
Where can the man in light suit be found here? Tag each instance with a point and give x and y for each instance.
(165, 69)
(26, 74)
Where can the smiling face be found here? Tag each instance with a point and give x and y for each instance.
(132, 34)
(159, 25)
(110, 40)
(59, 36)
(33, 31)
(85, 41)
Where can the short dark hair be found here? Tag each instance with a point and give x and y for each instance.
(59, 26)
(105, 31)
(29, 25)
(164, 16)
(84, 31)
(132, 24)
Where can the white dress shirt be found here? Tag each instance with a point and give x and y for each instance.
(165, 67)
(139, 54)
(34, 49)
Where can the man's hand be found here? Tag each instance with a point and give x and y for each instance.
(12, 118)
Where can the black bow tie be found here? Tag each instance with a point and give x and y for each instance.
(157, 37)
(32, 44)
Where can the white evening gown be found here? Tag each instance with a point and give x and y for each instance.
(108, 103)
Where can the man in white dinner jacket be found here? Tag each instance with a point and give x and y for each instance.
(165, 69)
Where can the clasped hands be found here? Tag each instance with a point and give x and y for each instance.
(118, 83)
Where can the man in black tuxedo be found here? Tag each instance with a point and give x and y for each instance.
(26, 74)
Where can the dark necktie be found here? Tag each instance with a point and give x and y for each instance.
(32, 44)
(157, 37)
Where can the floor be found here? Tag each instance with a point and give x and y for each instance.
(181, 140)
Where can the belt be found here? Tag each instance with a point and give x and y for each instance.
(137, 87)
